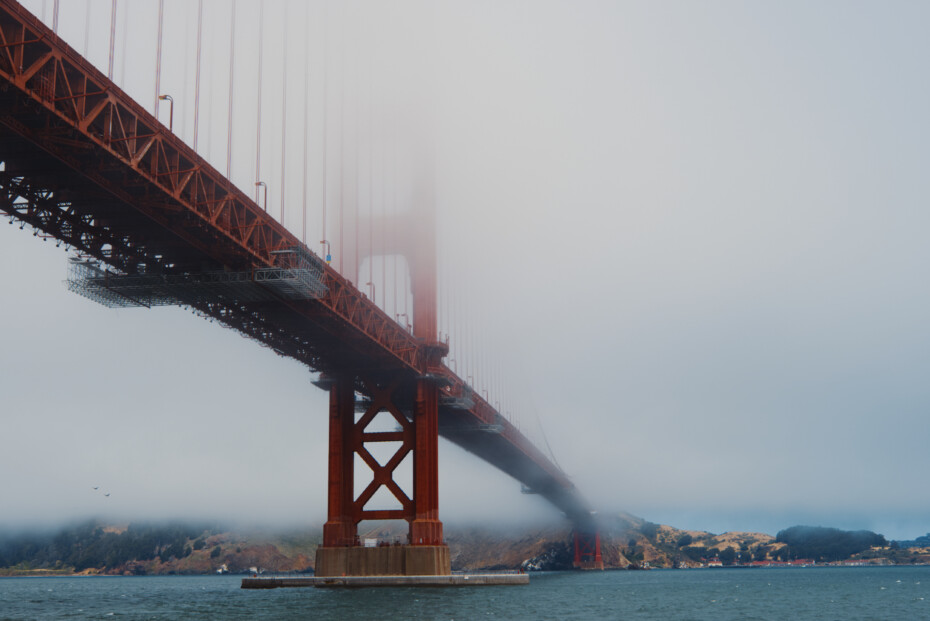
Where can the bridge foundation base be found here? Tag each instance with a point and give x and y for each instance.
(383, 561)
(276, 582)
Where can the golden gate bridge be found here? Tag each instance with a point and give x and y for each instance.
(152, 222)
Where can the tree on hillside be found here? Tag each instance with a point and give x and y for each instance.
(727, 556)
(827, 544)
(649, 530)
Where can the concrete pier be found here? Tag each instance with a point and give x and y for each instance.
(403, 560)
(388, 581)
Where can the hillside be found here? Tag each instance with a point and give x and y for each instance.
(626, 542)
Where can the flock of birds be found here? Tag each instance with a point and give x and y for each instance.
(107, 494)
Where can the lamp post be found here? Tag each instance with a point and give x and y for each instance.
(170, 110)
(372, 285)
(328, 255)
(262, 184)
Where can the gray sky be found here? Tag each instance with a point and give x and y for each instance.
(689, 238)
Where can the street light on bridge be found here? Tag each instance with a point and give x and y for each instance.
(170, 110)
(372, 285)
(329, 256)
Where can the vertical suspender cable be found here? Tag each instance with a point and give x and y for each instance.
(342, 142)
(258, 130)
(187, 70)
(306, 118)
(283, 110)
(394, 215)
(55, 17)
(323, 233)
(358, 155)
(232, 65)
(161, 23)
(407, 288)
(382, 232)
(197, 71)
(371, 186)
(112, 38)
(470, 329)
(122, 60)
(87, 29)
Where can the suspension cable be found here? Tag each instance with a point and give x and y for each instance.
(306, 107)
(394, 214)
(358, 163)
(283, 111)
(161, 23)
(232, 62)
(122, 60)
(86, 28)
(371, 179)
(323, 233)
(342, 145)
(197, 71)
(112, 38)
(383, 233)
(258, 130)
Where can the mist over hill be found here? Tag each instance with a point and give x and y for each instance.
(627, 542)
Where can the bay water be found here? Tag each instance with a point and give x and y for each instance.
(696, 594)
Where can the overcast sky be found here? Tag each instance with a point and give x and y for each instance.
(688, 238)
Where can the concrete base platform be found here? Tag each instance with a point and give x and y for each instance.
(405, 560)
(388, 581)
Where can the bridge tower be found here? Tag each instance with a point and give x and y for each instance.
(413, 401)
(587, 550)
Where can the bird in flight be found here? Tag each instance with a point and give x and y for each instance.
(96, 487)
(107, 494)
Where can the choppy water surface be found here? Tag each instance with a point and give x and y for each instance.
(810, 593)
